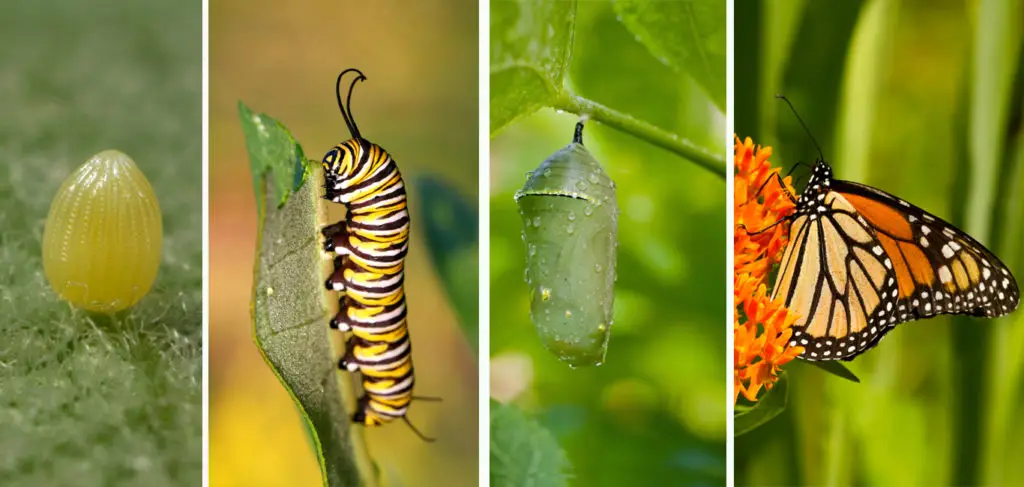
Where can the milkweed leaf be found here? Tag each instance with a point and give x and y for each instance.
(272, 151)
(531, 42)
(523, 452)
(770, 405)
(452, 228)
(688, 36)
(290, 304)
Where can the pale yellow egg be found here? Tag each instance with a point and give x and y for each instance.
(103, 235)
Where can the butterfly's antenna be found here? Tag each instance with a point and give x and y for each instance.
(414, 430)
(799, 164)
(346, 108)
(783, 98)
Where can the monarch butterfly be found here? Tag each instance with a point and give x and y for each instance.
(370, 248)
(861, 261)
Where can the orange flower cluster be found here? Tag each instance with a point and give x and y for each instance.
(762, 328)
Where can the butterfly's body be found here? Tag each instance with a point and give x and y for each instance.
(861, 261)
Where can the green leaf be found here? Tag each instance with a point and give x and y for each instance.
(836, 368)
(688, 36)
(452, 230)
(531, 43)
(524, 453)
(271, 149)
(290, 305)
(771, 404)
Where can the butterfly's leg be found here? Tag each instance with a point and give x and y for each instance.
(773, 177)
(765, 229)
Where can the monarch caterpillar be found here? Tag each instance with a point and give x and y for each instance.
(861, 261)
(570, 223)
(370, 248)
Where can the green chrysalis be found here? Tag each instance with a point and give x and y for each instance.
(570, 222)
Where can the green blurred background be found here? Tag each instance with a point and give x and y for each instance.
(654, 413)
(85, 400)
(420, 103)
(899, 98)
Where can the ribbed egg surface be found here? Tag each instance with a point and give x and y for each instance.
(103, 235)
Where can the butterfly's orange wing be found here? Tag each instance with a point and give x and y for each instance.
(861, 261)
(940, 269)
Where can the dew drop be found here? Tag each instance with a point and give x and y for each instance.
(568, 314)
(531, 249)
(536, 221)
(571, 228)
(572, 215)
(598, 268)
(545, 293)
(547, 172)
(588, 210)
(581, 185)
(592, 178)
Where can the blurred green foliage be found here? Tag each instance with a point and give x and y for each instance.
(87, 399)
(451, 223)
(655, 410)
(918, 98)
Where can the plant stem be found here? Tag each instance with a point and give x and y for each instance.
(642, 130)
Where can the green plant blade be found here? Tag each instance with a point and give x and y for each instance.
(688, 36)
(530, 45)
(290, 308)
(997, 43)
(825, 28)
(524, 453)
(452, 228)
(837, 369)
(274, 153)
(769, 406)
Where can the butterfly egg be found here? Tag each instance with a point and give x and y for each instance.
(103, 235)
(570, 222)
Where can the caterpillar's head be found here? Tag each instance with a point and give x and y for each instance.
(332, 161)
(339, 162)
